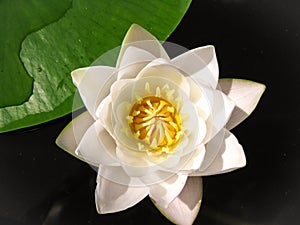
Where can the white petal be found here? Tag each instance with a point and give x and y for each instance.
(138, 37)
(104, 113)
(201, 64)
(192, 123)
(165, 192)
(97, 146)
(93, 84)
(184, 209)
(113, 197)
(131, 71)
(194, 160)
(121, 128)
(78, 75)
(245, 94)
(195, 90)
(116, 90)
(136, 158)
(230, 157)
(221, 108)
(133, 55)
(203, 99)
(71, 135)
(188, 163)
(161, 68)
(135, 163)
(131, 90)
(117, 175)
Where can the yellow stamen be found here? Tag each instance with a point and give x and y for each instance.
(156, 122)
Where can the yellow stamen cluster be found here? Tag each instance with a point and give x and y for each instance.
(156, 122)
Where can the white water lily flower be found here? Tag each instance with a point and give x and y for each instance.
(155, 125)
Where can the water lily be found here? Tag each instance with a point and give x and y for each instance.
(154, 125)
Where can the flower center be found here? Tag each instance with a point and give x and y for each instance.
(156, 122)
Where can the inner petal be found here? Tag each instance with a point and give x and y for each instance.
(161, 94)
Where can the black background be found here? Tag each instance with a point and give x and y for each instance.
(257, 40)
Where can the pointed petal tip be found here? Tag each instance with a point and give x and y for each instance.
(139, 37)
(245, 93)
(137, 33)
(77, 75)
(227, 83)
(184, 209)
(231, 156)
(210, 47)
(100, 208)
(58, 141)
(134, 27)
(64, 139)
(166, 191)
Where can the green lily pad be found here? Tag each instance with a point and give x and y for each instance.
(42, 41)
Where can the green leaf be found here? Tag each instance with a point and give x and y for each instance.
(58, 37)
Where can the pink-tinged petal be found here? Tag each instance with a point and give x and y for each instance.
(72, 134)
(200, 64)
(212, 149)
(138, 37)
(97, 146)
(230, 157)
(184, 209)
(113, 197)
(133, 55)
(220, 107)
(165, 192)
(245, 94)
(93, 84)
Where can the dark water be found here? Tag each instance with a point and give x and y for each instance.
(256, 40)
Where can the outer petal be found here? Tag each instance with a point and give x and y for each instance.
(230, 157)
(112, 197)
(133, 55)
(245, 94)
(201, 64)
(117, 175)
(165, 192)
(138, 37)
(97, 146)
(72, 134)
(93, 84)
(185, 207)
